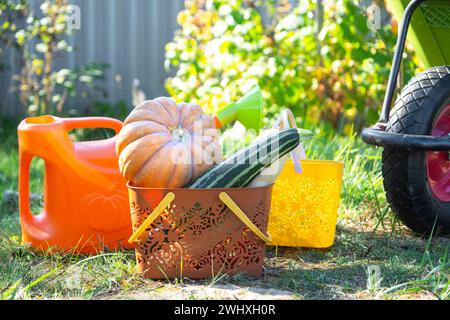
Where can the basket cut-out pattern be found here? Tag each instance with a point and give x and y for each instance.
(303, 210)
(199, 241)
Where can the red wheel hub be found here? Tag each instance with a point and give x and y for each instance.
(438, 163)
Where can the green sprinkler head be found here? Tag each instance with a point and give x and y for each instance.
(248, 111)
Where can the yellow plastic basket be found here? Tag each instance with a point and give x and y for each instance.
(305, 206)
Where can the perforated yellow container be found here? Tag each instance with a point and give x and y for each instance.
(305, 206)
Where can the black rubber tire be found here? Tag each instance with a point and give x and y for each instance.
(405, 173)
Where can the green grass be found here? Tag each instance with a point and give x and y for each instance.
(368, 236)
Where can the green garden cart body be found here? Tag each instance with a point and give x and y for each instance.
(415, 131)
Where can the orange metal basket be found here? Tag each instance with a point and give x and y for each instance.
(199, 233)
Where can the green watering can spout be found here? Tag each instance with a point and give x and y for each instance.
(248, 111)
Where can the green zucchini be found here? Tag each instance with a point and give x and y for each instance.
(238, 170)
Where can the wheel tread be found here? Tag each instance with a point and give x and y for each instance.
(403, 178)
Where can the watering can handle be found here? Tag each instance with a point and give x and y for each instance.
(24, 185)
(92, 122)
(169, 197)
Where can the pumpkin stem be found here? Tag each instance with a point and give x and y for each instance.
(179, 134)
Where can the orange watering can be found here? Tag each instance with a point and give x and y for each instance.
(85, 197)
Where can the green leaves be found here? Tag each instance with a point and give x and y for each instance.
(43, 88)
(337, 74)
(10, 13)
(21, 37)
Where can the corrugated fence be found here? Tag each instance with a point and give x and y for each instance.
(129, 35)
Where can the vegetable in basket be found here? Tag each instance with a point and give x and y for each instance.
(239, 170)
(165, 145)
(270, 174)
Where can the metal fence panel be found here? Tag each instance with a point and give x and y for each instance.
(129, 35)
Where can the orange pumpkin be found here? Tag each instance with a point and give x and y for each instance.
(166, 145)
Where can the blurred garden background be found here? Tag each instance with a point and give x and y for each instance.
(326, 60)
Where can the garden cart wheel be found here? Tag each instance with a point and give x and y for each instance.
(417, 183)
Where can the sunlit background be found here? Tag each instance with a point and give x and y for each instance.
(328, 61)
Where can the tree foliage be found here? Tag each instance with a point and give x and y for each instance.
(326, 66)
(40, 39)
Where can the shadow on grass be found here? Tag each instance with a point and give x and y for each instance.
(341, 271)
(335, 273)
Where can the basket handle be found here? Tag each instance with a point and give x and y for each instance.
(241, 215)
(225, 199)
(287, 121)
(168, 198)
